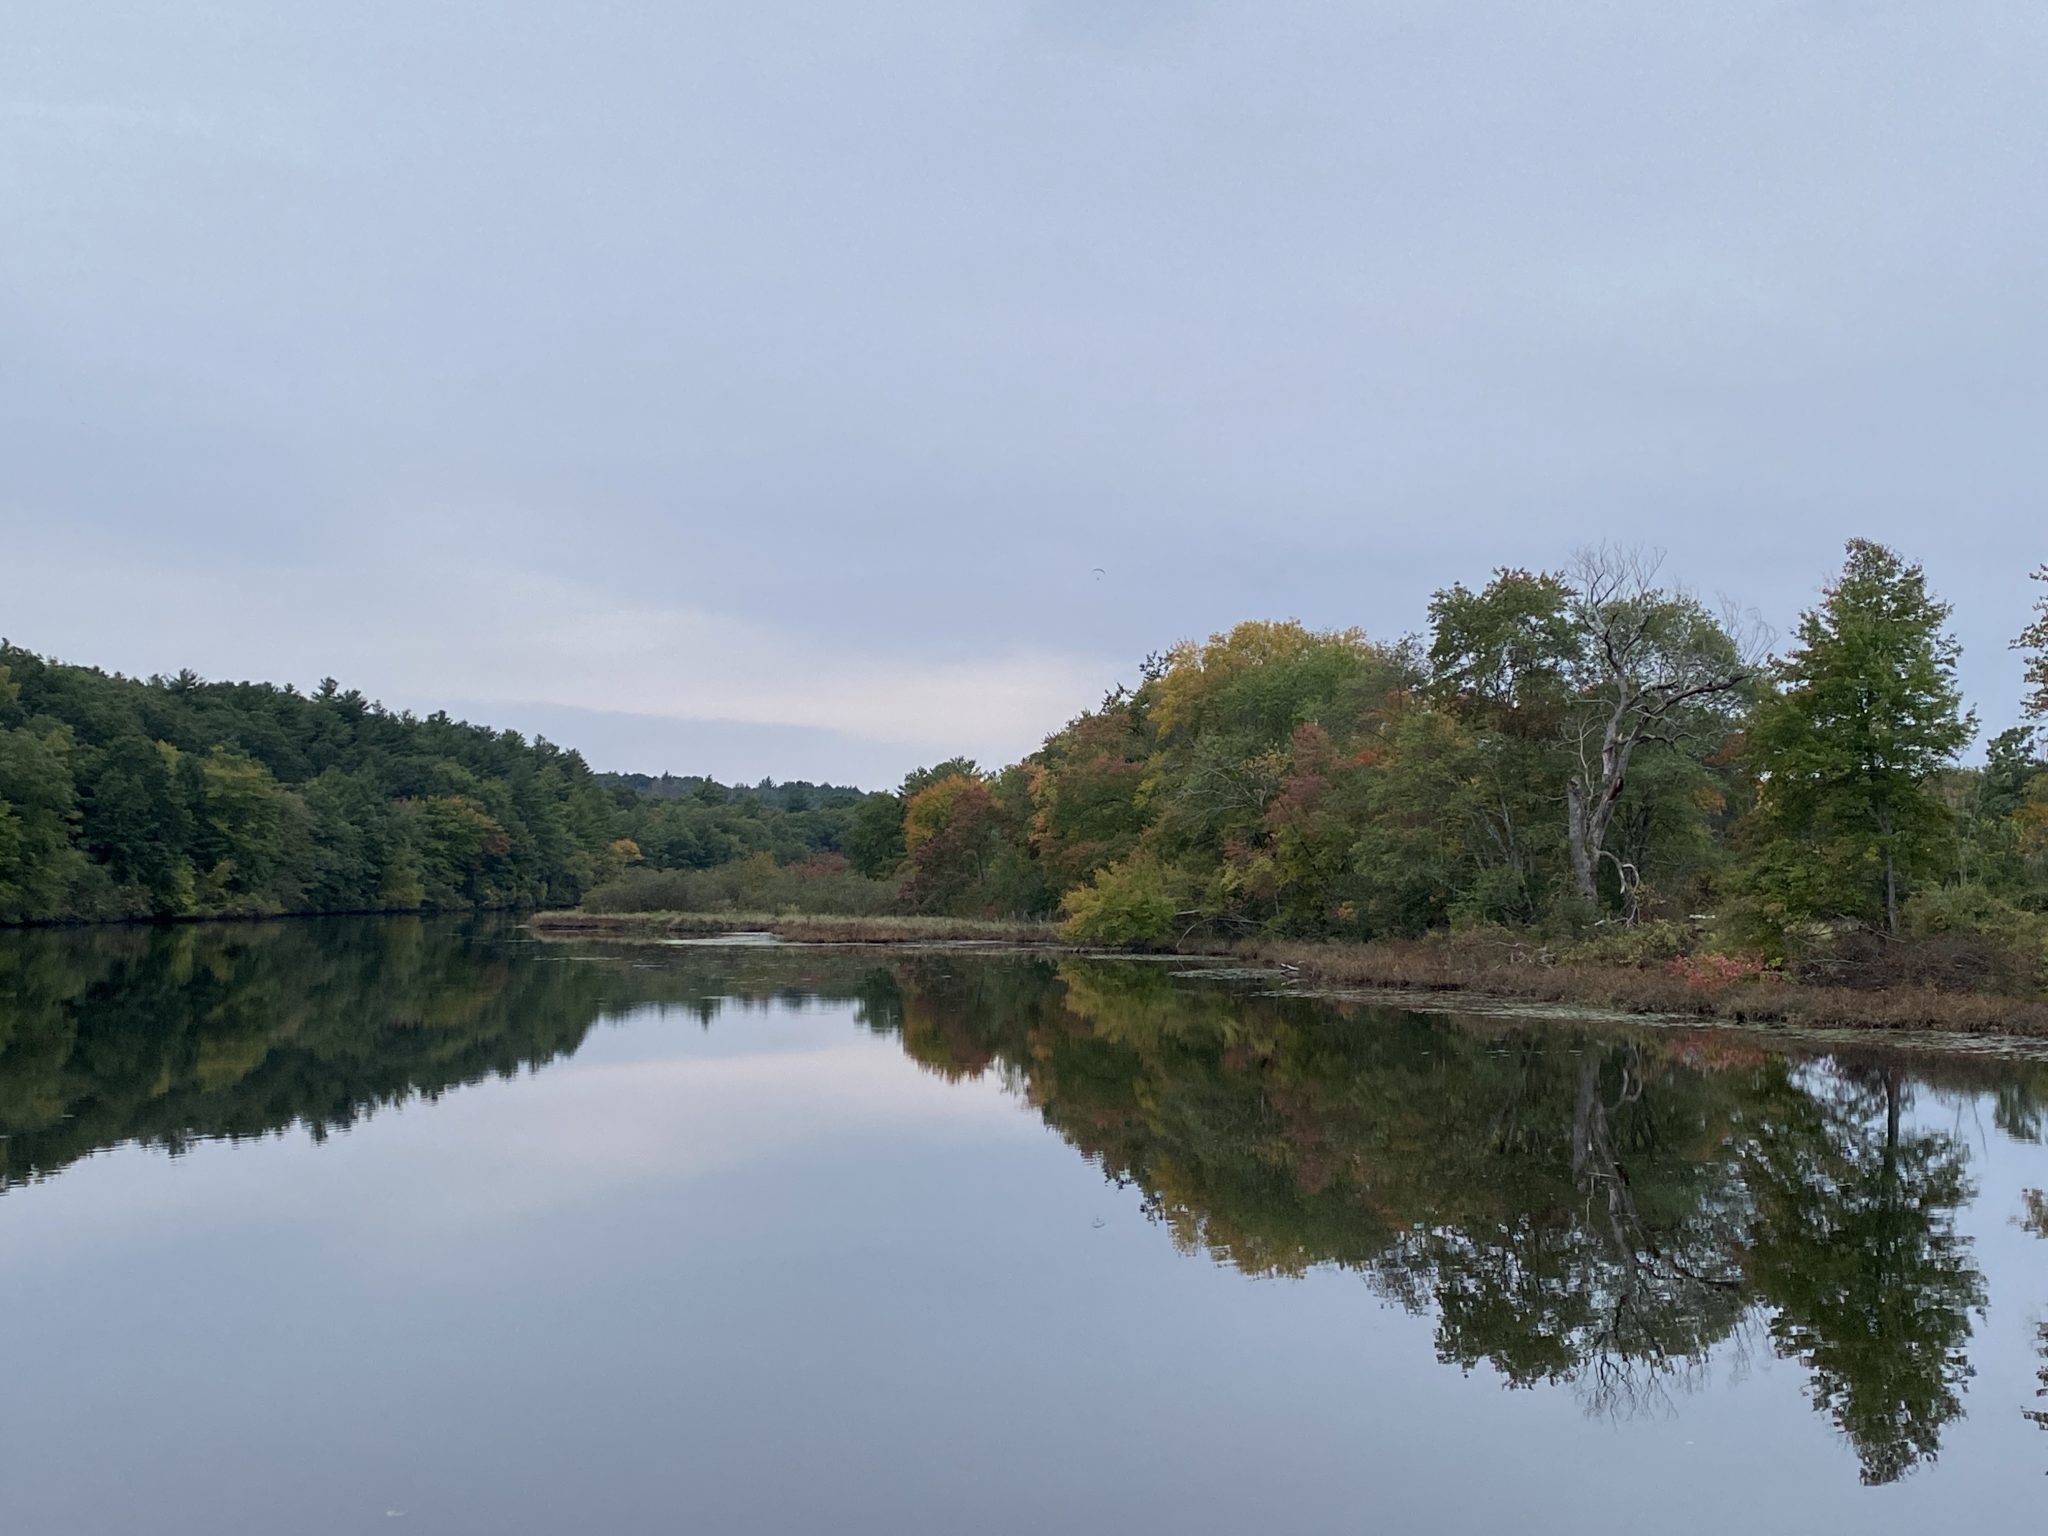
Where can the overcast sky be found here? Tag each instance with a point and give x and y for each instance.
(758, 388)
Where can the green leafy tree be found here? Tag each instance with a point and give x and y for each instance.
(1991, 807)
(137, 821)
(1087, 789)
(923, 778)
(38, 806)
(175, 796)
(874, 843)
(1575, 674)
(951, 831)
(253, 838)
(1257, 732)
(2034, 641)
(352, 843)
(1866, 715)
(1126, 905)
(1433, 845)
(1500, 665)
(1651, 667)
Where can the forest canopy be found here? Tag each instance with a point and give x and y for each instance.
(1562, 750)
(176, 797)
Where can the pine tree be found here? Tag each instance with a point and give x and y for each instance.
(1866, 713)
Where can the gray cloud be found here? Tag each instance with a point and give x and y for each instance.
(873, 331)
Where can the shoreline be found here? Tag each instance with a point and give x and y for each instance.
(1441, 969)
(1450, 970)
(812, 928)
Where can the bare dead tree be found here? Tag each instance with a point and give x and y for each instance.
(1654, 666)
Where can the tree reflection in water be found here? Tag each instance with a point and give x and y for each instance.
(2035, 1220)
(1594, 1208)
(1599, 1207)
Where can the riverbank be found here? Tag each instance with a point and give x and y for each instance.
(1706, 987)
(798, 929)
(1703, 986)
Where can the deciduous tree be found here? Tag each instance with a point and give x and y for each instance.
(2034, 641)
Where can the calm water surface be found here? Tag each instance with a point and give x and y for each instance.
(393, 1226)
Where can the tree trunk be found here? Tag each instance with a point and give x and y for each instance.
(1892, 1103)
(1584, 1104)
(1590, 808)
(1590, 814)
(1583, 853)
(1891, 872)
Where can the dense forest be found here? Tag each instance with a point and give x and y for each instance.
(1569, 751)
(1590, 748)
(175, 797)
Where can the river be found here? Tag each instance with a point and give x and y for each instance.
(425, 1226)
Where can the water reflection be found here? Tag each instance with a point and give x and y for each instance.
(1575, 1207)
(2035, 1220)
(1598, 1208)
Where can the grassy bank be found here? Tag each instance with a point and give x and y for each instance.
(800, 929)
(1486, 966)
(1698, 987)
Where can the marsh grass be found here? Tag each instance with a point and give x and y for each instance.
(1533, 972)
(1482, 965)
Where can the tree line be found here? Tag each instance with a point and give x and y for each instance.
(1586, 746)
(176, 797)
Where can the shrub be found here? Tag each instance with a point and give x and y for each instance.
(824, 884)
(1126, 906)
(2013, 941)
(1956, 939)
(1711, 973)
(1645, 944)
(1974, 910)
